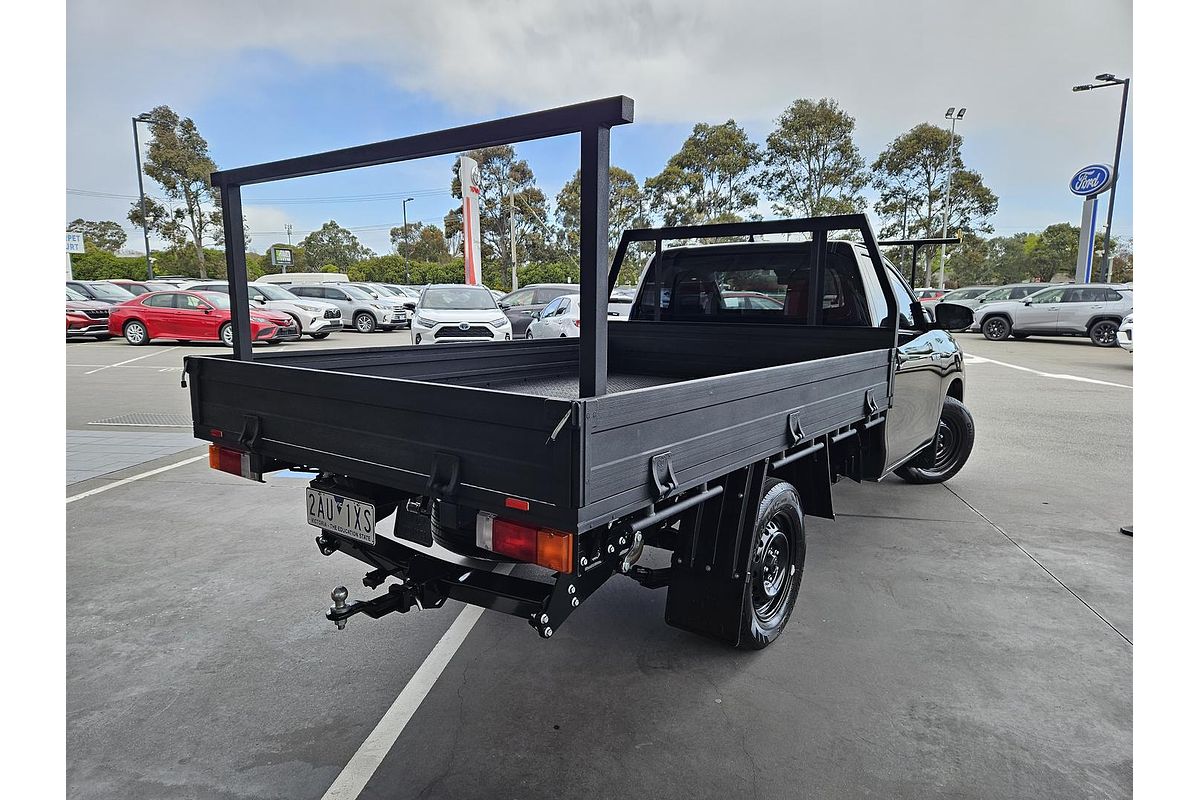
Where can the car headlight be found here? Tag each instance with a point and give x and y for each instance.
(424, 323)
(307, 307)
(499, 323)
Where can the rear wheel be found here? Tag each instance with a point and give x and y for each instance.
(135, 332)
(226, 334)
(776, 566)
(528, 334)
(364, 322)
(1103, 333)
(996, 328)
(950, 449)
(321, 335)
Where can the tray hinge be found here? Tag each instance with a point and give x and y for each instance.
(662, 474)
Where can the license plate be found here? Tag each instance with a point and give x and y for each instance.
(352, 518)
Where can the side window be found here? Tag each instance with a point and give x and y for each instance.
(165, 300)
(546, 295)
(524, 297)
(1112, 296)
(189, 302)
(335, 294)
(551, 309)
(904, 299)
(1055, 296)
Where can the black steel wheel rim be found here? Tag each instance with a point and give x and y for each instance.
(771, 572)
(945, 447)
(1105, 333)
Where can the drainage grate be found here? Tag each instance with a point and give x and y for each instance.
(146, 420)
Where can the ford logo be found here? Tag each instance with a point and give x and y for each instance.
(464, 326)
(1091, 179)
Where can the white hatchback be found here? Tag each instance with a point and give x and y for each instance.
(558, 320)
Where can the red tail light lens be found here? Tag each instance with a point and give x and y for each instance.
(545, 547)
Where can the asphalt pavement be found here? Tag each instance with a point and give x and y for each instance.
(971, 640)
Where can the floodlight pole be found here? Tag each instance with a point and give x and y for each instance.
(946, 208)
(137, 153)
(1106, 264)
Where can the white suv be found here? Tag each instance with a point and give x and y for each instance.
(1094, 310)
(459, 313)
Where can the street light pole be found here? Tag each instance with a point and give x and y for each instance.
(1111, 80)
(962, 112)
(404, 210)
(137, 152)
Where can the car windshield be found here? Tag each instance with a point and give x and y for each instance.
(965, 294)
(215, 299)
(467, 298)
(356, 292)
(74, 295)
(109, 291)
(272, 292)
(385, 291)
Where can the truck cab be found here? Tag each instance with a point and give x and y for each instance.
(767, 283)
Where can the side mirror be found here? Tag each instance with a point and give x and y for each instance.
(206, 309)
(258, 298)
(952, 317)
(1028, 302)
(410, 304)
(504, 306)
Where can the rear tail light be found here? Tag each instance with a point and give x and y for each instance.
(545, 547)
(235, 462)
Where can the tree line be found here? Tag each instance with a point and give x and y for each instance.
(808, 165)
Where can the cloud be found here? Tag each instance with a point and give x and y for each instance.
(889, 64)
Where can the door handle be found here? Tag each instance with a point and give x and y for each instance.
(1098, 305)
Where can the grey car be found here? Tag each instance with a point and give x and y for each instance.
(523, 305)
(365, 313)
(1094, 310)
(966, 296)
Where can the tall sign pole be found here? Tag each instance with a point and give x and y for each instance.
(137, 152)
(1089, 183)
(1112, 194)
(468, 177)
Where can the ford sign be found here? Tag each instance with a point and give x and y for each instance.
(1092, 179)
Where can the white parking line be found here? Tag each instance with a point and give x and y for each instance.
(130, 361)
(133, 478)
(366, 760)
(974, 359)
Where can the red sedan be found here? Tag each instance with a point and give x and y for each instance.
(193, 317)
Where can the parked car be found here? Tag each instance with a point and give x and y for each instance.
(620, 302)
(101, 291)
(1125, 333)
(927, 294)
(86, 317)
(966, 296)
(286, 278)
(141, 287)
(1011, 291)
(386, 294)
(459, 313)
(1094, 310)
(366, 313)
(558, 320)
(193, 317)
(317, 318)
(522, 305)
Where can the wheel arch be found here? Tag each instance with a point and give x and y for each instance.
(956, 388)
(1107, 316)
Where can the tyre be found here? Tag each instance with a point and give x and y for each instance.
(135, 332)
(226, 334)
(1103, 333)
(1020, 335)
(776, 566)
(996, 328)
(321, 335)
(949, 451)
(364, 322)
(528, 334)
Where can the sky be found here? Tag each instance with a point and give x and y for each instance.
(266, 80)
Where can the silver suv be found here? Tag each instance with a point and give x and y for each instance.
(366, 313)
(316, 318)
(1094, 310)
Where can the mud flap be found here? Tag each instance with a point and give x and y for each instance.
(709, 569)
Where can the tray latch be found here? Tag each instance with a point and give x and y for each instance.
(443, 475)
(251, 430)
(795, 429)
(662, 474)
(869, 404)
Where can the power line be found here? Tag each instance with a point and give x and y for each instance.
(353, 198)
